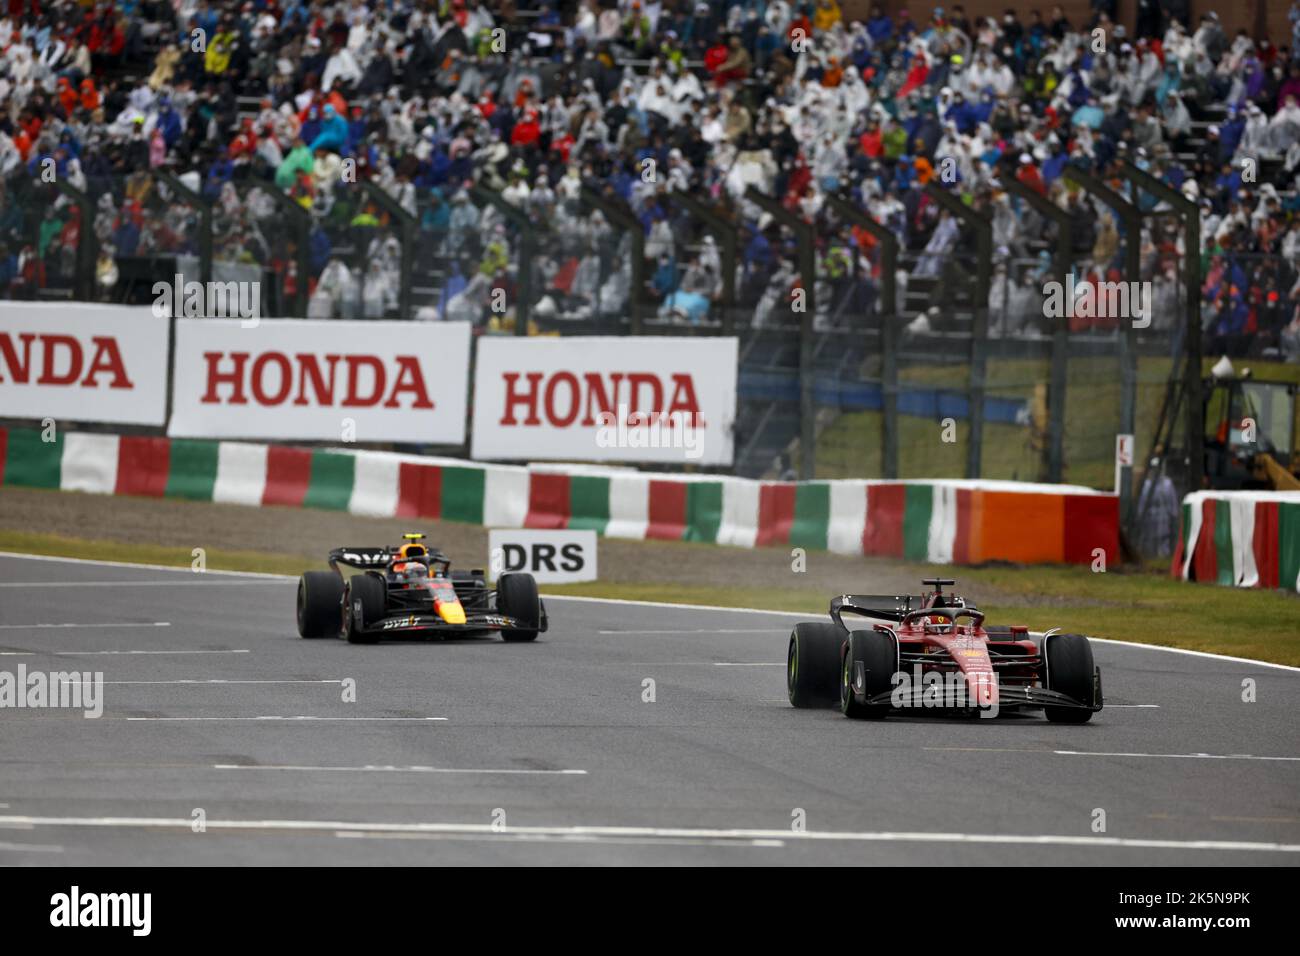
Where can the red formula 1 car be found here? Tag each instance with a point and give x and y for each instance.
(410, 591)
(934, 654)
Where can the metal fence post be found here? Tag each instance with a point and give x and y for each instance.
(300, 222)
(1062, 263)
(983, 229)
(524, 225)
(888, 328)
(406, 226)
(727, 234)
(1195, 410)
(617, 212)
(1131, 218)
(85, 282)
(205, 219)
(808, 279)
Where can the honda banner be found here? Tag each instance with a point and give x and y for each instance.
(89, 363)
(646, 399)
(322, 381)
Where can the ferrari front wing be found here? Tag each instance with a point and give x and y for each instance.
(1019, 695)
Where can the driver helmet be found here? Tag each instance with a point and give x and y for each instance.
(411, 569)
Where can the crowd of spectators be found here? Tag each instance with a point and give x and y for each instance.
(249, 102)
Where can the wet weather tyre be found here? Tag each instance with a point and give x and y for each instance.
(812, 665)
(320, 600)
(1070, 671)
(366, 598)
(878, 654)
(517, 598)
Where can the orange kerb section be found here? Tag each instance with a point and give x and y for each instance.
(1014, 526)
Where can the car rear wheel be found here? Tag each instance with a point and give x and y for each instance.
(320, 599)
(1070, 671)
(366, 600)
(812, 665)
(877, 653)
(517, 598)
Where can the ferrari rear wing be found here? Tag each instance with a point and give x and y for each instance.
(884, 607)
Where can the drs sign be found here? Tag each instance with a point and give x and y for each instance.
(552, 557)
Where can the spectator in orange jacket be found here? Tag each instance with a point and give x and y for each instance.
(89, 95)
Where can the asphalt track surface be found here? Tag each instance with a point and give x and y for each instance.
(479, 752)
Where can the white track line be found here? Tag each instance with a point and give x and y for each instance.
(192, 681)
(707, 630)
(275, 717)
(110, 653)
(621, 601)
(29, 848)
(1088, 753)
(706, 664)
(686, 833)
(198, 579)
(416, 769)
(514, 837)
(187, 569)
(803, 615)
(31, 627)
(1083, 753)
(749, 664)
(1202, 654)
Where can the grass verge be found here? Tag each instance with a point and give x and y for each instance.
(216, 560)
(1145, 607)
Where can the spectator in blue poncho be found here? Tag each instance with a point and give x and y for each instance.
(1230, 135)
(169, 121)
(436, 218)
(219, 173)
(311, 126)
(880, 27)
(333, 134)
(319, 249)
(454, 285)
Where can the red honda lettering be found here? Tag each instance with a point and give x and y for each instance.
(234, 378)
(528, 399)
